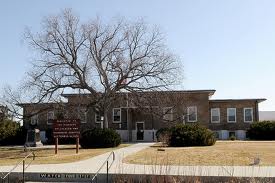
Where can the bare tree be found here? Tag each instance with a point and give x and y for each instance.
(98, 58)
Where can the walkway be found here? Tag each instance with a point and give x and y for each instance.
(85, 166)
(92, 165)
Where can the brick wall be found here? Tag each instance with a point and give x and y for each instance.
(239, 105)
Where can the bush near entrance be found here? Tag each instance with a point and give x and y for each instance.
(11, 133)
(162, 133)
(264, 130)
(190, 135)
(100, 138)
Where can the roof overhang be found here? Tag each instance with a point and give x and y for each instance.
(236, 100)
(210, 92)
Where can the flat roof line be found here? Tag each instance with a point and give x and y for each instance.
(243, 99)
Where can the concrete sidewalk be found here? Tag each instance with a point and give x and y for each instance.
(85, 166)
(92, 165)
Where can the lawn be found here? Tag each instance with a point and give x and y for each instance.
(222, 153)
(66, 154)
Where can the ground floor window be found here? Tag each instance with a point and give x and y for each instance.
(50, 117)
(248, 114)
(192, 114)
(116, 115)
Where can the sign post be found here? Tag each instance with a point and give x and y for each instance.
(77, 145)
(66, 128)
(56, 144)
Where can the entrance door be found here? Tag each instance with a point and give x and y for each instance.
(140, 130)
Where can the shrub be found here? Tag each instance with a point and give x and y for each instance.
(232, 137)
(11, 133)
(162, 133)
(264, 130)
(191, 135)
(99, 138)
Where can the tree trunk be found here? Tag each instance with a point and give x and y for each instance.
(105, 121)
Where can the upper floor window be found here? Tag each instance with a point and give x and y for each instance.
(231, 115)
(116, 115)
(98, 118)
(192, 114)
(248, 114)
(215, 115)
(50, 117)
(34, 119)
(167, 113)
(82, 115)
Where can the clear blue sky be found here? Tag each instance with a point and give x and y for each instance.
(224, 45)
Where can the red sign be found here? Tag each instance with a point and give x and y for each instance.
(66, 128)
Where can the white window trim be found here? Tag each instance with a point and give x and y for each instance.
(251, 115)
(48, 117)
(114, 115)
(85, 115)
(218, 115)
(164, 113)
(96, 119)
(188, 114)
(141, 122)
(228, 115)
(36, 118)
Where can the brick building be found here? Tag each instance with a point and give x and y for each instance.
(137, 117)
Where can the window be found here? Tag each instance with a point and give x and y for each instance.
(50, 117)
(192, 114)
(34, 119)
(248, 114)
(116, 115)
(215, 115)
(98, 118)
(82, 115)
(167, 113)
(231, 115)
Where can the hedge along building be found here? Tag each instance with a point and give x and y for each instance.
(137, 116)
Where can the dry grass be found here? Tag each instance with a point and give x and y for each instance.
(222, 153)
(66, 154)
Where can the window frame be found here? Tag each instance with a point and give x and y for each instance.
(53, 113)
(219, 115)
(235, 109)
(188, 114)
(166, 112)
(85, 115)
(96, 114)
(251, 108)
(36, 116)
(119, 115)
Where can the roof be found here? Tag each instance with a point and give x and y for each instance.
(210, 92)
(28, 104)
(236, 100)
